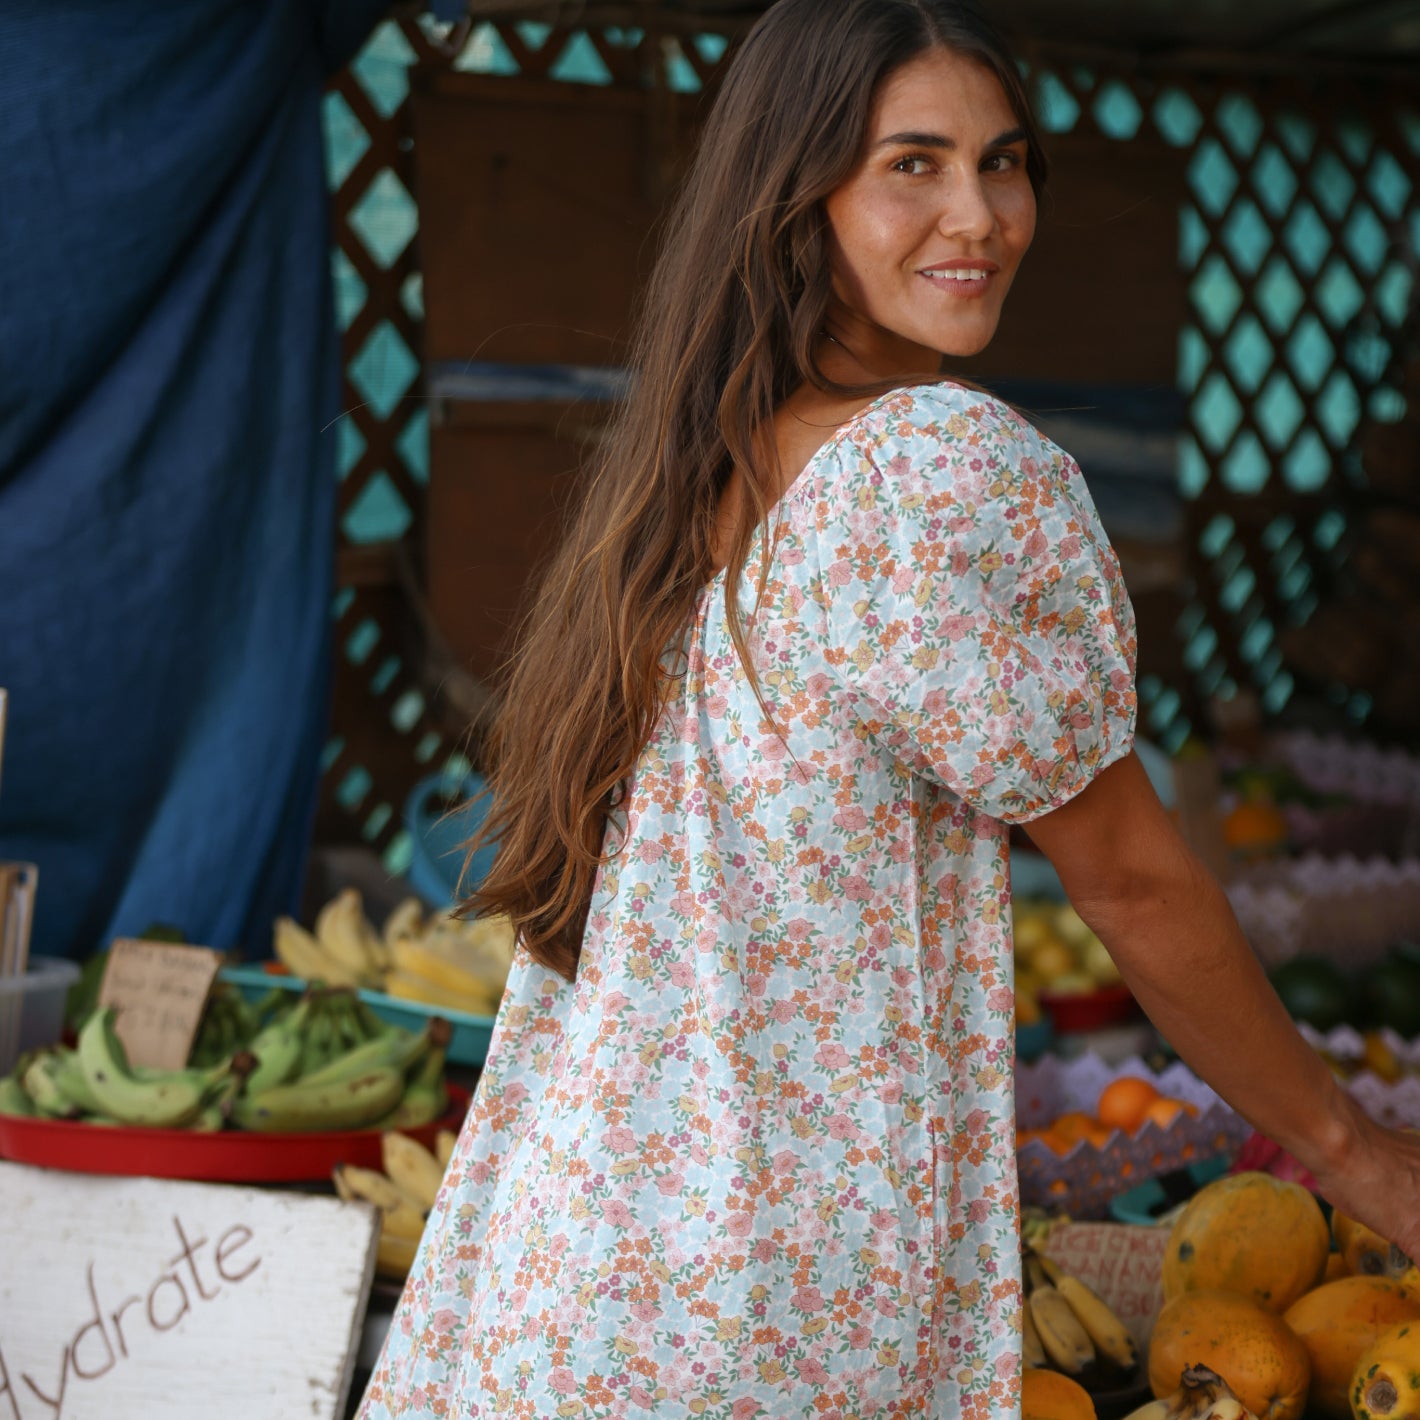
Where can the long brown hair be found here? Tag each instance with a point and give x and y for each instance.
(726, 332)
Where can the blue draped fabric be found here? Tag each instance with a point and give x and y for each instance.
(169, 373)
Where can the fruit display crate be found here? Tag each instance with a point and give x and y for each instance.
(471, 1034)
(224, 1156)
(1084, 1181)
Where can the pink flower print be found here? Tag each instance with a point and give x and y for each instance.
(791, 556)
(978, 1210)
(517, 1299)
(891, 1092)
(614, 1001)
(739, 1225)
(480, 1172)
(812, 1372)
(935, 702)
(852, 818)
(957, 628)
(1070, 547)
(1000, 998)
(976, 1121)
(645, 1311)
(683, 903)
(832, 1056)
(616, 1213)
(773, 748)
(860, 1338)
(1036, 543)
(840, 573)
(745, 1408)
(639, 1395)
(856, 889)
(982, 775)
(715, 706)
(785, 1161)
(621, 1140)
(671, 1183)
(1006, 1364)
(883, 1220)
(515, 1094)
(698, 1155)
(756, 985)
(818, 685)
(902, 580)
(798, 929)
(960, 524)
(840, 1126)
(886, 1306)
(782, 1010)
(764, 1250)
(807, 1299)
(650, 851)
(444, 1322)
(682, 975)
(563, 1380)
(961, 563)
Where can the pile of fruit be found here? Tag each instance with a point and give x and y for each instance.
(404, 1192)
(1254, 1289)
(433, 958)
(1057, 952)
(1127, 1103)
(1383, 996)
(321, 1060)
(1070, 1330)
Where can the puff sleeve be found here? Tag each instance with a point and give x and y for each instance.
(972, 603)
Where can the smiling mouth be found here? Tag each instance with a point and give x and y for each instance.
(961, 274)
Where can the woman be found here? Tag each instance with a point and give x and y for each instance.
(828, 624)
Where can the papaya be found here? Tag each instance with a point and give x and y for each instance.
(1336, 1267)
(1366, 1252)
(1386, 1385)
(1049, 1395)
(1337, 1322)
(1264, 1363)
(1251, 1233)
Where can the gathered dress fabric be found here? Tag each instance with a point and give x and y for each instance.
(758, 1161)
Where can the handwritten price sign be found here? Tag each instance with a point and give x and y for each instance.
(1123, 1263)
(128, 1297)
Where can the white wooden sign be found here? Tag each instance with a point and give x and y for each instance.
(139, 1297)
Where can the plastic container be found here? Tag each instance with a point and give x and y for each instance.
(32, 1007)
(441, 815)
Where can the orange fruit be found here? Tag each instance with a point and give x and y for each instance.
(1124, 1103)
(1164, 1110)
(1254, 826)
(1075, 1124)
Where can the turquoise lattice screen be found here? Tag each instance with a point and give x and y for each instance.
(1298, 237)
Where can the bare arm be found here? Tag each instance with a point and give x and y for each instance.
(1170, 929)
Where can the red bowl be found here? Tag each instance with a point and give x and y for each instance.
(227, 1156)
(1090, 1010)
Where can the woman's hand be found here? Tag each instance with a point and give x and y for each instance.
(1378, 1182)
(1168, 925)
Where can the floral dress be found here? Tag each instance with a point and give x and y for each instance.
(758, 1162)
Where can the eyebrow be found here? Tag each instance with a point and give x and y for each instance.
(938, 140)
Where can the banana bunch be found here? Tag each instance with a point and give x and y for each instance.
(404, 1193)
(331, 1063)
(95, 1082)
(432, 958)
(1069, 1328)
(1201, 1395)
(318, 1062)
(227, 1025)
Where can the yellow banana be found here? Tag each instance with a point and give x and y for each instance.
(394, 1255)
(1066, 1342)
(302, 955)
(418, 958)
(406, 985)
(1110, 1336)
(445, 1141)
(1032, 1352)
(400, 1215)
(415, 1171)
(343, 930)
(407, 920)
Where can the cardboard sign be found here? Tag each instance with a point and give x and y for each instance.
(160, 989)
(166, 1300)
(1122, 1262)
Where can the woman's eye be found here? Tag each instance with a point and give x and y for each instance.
(914, 164)
(1001, 162)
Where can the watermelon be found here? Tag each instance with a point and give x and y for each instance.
(1315, 990)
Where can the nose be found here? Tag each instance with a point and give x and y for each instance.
(967, 212)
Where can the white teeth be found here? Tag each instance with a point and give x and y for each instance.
(962, 274)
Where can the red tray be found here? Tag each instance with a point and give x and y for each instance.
(230, 1156)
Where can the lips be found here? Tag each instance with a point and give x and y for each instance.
(959, 273)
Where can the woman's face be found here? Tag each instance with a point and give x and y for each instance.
(927, 232)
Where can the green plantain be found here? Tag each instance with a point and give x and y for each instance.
(353, 1103)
